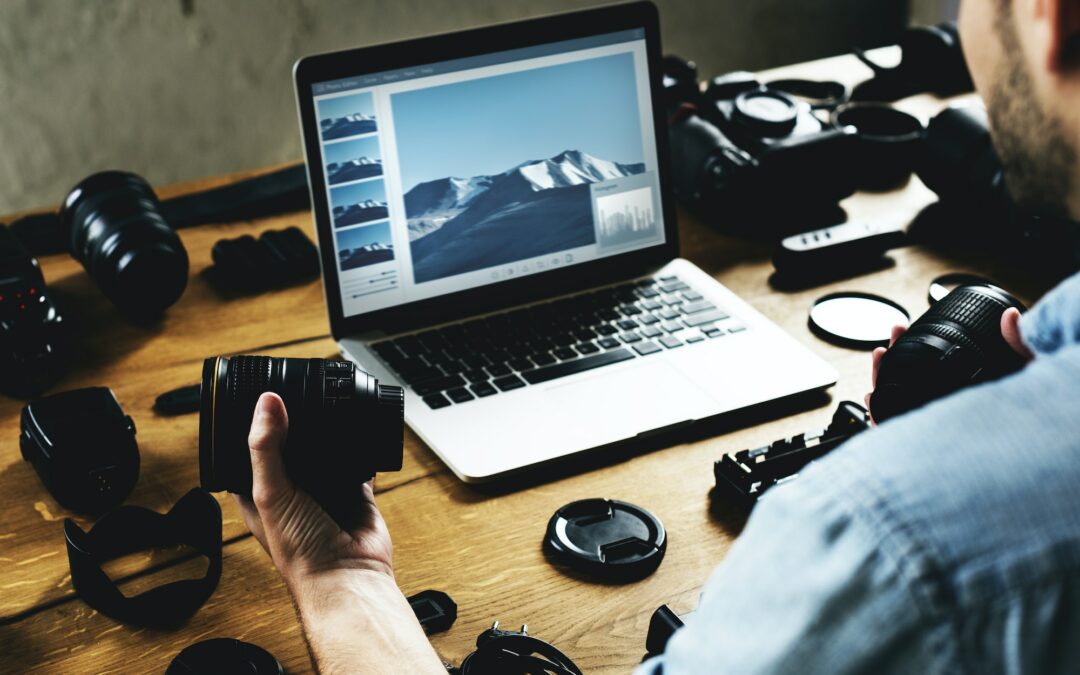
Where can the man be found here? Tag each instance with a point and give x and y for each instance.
(947, 540)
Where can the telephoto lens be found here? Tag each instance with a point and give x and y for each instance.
(114, 227)
(344, 425)
(956, 343)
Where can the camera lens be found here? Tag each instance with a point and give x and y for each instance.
(116, 230)
(768, 113)
(956, 343)
(343, 425)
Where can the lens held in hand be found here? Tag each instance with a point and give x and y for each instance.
(956, 343)
(115, 229)
(343, 425)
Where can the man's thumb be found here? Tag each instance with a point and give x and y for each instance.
(269, 427)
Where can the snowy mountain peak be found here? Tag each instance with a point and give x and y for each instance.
(571, 167)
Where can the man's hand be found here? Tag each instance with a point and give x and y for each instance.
(342, 579)
(1010, 330)
(301, 538)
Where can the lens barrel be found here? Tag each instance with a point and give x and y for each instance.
(116, 230)
(956, 343)
(343, 425)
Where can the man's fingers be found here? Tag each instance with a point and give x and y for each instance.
(897, 331)
(269, 427)
(876, 363)
(1010, 330)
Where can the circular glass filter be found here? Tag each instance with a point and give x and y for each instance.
(858, 320)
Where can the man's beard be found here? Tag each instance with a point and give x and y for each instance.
(1039, 158)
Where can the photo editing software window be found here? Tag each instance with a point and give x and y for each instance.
(458, 174)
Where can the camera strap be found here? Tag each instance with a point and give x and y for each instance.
(281, 191)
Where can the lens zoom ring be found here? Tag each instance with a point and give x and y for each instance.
(251, 374)
(978, 314)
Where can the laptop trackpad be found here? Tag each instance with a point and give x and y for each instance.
(644, 395)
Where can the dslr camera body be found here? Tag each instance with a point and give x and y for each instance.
(34, 341)
(751, 154)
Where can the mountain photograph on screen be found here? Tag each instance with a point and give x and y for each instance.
(346, 116)
(499, 169)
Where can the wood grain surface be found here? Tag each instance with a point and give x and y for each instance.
(483, 548)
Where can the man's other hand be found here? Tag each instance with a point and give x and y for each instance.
(1010, 330)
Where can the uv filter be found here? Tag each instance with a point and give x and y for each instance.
(856, 320)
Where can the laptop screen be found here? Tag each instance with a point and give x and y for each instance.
(453, 175)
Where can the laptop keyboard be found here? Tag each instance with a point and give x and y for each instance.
(462, 362)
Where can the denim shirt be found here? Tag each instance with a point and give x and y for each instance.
(943, 541)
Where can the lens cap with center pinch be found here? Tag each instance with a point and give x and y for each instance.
(858, 320)
(613, 540)
(224, 656)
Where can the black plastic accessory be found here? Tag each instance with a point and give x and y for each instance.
(116, 229)
(888, 145)
(179, 401)
(956, 343)
(276, 258)
(34, 340)
(83, 447)
(742, 477)
(436, 611)
(224, 656)
(856, 320)
(834, 251)
(194, 521)
(662, 626)
(610, 539)
(506, 652)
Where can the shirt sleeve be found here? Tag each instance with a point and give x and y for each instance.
(808, 587)
(1054, 322)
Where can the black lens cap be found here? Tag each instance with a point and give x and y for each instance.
(613, 540)
(224, 656)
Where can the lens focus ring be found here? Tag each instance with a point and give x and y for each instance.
(250, 374)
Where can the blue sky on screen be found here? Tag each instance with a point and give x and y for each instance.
(365, 235)
(489, 125)
(343, 152)
(356, 193)
(346, 105)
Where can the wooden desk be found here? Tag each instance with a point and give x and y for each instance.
(483, 550)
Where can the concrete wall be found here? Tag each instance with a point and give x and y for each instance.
(177, 89)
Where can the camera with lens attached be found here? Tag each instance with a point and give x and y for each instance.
(344, 425)
(749, 153)
(34, 340)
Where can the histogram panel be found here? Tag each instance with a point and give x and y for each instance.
(626, 217)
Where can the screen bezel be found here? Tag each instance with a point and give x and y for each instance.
(336, 65)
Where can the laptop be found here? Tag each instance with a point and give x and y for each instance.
(497, 234)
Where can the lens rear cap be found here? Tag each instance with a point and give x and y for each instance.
(225, 656)
(857, 320)
(613, 540)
